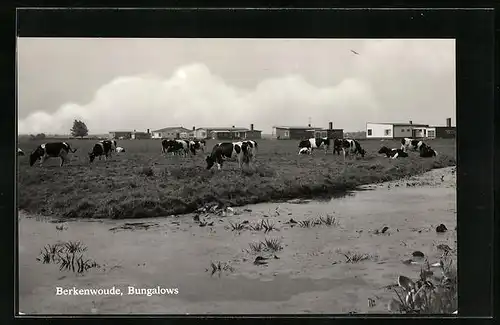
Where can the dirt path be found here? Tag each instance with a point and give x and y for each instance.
(309, 275)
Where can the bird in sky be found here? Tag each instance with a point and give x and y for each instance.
(354, 52)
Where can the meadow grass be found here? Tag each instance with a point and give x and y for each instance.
(143, 183)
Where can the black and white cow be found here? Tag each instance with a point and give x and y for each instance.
(427, 152)
(51, 149)
(315, 143)
(393, 153)
(337, 145)
(20, 152)
(175, 147)
(113, 144)
(109, 145)
(252, 148)
(351, 146)
(196, 145)
(101, 148)
(226, 150)
(412, 144)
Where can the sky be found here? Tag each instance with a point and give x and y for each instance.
(140, 84)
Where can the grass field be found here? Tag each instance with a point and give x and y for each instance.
(142, 183)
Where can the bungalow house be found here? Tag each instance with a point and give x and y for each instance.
(305, 132)
(169, 133)
(228, 133)
(120, 135)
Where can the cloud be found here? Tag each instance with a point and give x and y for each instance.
(389, 80)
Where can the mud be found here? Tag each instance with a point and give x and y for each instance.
(309, 275)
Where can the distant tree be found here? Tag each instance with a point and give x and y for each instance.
(40, 136)
(79, 129)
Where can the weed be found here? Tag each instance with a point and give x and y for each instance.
(219, 267)
(273, 244)
(353, 257)
(267, 226)
(256, 247)
(429, 294)
(69, 256)
(329, 220)
(306, 223)
(237, 226)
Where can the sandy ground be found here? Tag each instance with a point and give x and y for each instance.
(308, 275)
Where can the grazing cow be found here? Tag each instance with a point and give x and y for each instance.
(412, 144)
(351, 146)
(102, 148)
(305, 151)
(392, 153)
(51, 149)
(20, 152)
(175, 146)
(427, 152)
(120, 149)
(110, 144)
(252, 148)
(226, 150)
(337, 145)
(195, 145)
(315, 143)
(113, 145)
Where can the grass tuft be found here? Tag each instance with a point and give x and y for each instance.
(68, 255)
(429, 294)
(219, 267)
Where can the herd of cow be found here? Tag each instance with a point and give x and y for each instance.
(244, 151)
(351, 146)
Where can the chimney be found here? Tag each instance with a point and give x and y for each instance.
(251, 127)
(148, 131)
(309, 125)
(448, 122)
(194, 128)
(411, 122)
(233, 126)
(330, 125)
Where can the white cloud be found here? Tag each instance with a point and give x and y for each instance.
(389, 80)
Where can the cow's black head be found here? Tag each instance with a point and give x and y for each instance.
(35, 155)
(91, 156)
(210, 161)
(383, 150)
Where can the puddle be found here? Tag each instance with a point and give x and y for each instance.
(309, 275)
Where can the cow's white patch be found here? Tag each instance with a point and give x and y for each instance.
(312, 141)
(304, 151)
(42, 146)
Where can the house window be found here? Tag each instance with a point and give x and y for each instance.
(407, 130)
(369, 131)
(387, 132)
(324, 134)
(287, 134)
(431, 134)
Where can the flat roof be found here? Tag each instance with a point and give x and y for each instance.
(222, 128)
(298, 127)
(399, 124)
(171, 128)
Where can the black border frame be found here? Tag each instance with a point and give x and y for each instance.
(473, 30)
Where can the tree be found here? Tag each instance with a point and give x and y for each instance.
(79, 129)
